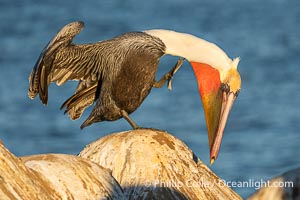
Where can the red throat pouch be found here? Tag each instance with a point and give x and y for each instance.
(208, 78)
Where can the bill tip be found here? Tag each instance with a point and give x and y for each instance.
(212, 160)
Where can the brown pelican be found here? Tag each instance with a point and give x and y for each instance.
(119, 73)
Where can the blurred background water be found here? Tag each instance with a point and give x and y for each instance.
(262, 135)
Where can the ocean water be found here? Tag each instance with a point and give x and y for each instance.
(262, 135)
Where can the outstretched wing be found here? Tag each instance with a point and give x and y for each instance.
(61, 60)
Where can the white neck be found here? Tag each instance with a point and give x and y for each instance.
(194, 49)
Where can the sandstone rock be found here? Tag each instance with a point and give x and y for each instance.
(152, 164)
(147, 163)
(73, 177)
(54, 176)
(19, 182)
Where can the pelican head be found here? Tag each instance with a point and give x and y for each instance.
(218, 90)
(219, 82)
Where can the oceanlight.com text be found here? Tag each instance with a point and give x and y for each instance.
(252, 183)
(257, 183)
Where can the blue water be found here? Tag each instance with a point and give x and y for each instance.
(262, 135)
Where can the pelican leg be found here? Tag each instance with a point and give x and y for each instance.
(169, 75)
(129, 120)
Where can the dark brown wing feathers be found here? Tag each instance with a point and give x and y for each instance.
(76, 104)
(39, 78)
(97, 67)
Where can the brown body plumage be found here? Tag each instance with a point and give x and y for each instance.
(118, 73)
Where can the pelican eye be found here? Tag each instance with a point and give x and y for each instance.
(225, 87)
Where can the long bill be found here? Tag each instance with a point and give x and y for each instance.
(216, 104)
(227, 102)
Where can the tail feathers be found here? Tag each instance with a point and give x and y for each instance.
(90, 120)
(77, 103)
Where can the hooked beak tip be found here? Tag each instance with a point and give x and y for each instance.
(212, 160)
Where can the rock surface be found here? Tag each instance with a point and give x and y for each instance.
(54, 176)
(284, 187)
(152, 164)
(73, 177)
(19, 182)
(138, 164)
